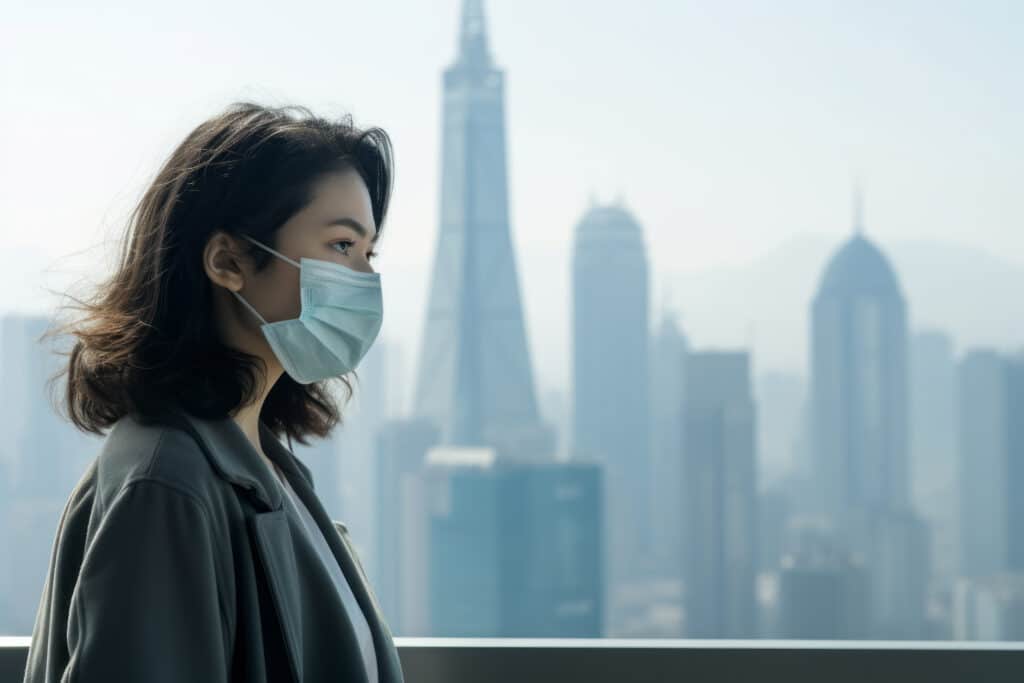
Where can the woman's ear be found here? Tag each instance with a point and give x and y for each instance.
(223, 261)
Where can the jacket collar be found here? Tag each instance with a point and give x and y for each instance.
(235, 460)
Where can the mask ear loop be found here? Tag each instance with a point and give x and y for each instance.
(273, 251)
(249, 306)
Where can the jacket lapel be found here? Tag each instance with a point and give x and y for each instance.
(363, 581)
(273, 542)
(231, 454)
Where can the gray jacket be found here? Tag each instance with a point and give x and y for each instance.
(173, 562)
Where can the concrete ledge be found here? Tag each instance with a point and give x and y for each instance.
(501, 660)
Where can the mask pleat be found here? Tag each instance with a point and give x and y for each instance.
(339, 320)
(301, 352)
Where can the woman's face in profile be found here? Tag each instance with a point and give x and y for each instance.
(328, 228)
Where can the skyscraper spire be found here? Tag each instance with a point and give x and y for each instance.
(475, 376)
(858, 208)
(473, 36)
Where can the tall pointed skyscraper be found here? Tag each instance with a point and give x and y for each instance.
(859, 378)
(505, 541)
(859, 415)
(474, 378)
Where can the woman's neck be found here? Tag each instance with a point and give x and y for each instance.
(248, 418)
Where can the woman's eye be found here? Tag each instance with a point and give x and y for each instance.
(347, 243)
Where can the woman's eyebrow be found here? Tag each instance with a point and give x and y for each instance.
(355, 225)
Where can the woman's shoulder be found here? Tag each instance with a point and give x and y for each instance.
(137, 450)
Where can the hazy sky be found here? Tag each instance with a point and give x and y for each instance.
(727, 127)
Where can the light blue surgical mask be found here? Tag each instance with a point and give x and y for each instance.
(340, 317)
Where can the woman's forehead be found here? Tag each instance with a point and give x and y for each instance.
(337, 201)
(340, 196)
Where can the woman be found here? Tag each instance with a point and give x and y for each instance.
(194, 547)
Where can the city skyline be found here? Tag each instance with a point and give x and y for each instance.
(472, 526)
(745, 162)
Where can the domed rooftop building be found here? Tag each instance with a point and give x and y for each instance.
(608, 221)
(859, 267)
(859, 393)
(610, 421)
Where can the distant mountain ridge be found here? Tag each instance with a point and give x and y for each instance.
(971, 293)
(974, 294)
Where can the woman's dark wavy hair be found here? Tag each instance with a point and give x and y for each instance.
(147, 338)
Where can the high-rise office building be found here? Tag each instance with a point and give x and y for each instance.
(667, 371)
(475, 376)
(859, 434)
(610, 383)
(933, 416)
(823, 590)
(989, 609)
(896, 545)
(475, 387)
(859, 384)
(991, 463)
(399, 567)
(780, 399)
(45, 456)
(514, 548)
(47, 453)
(719, 467)
(933, 442)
